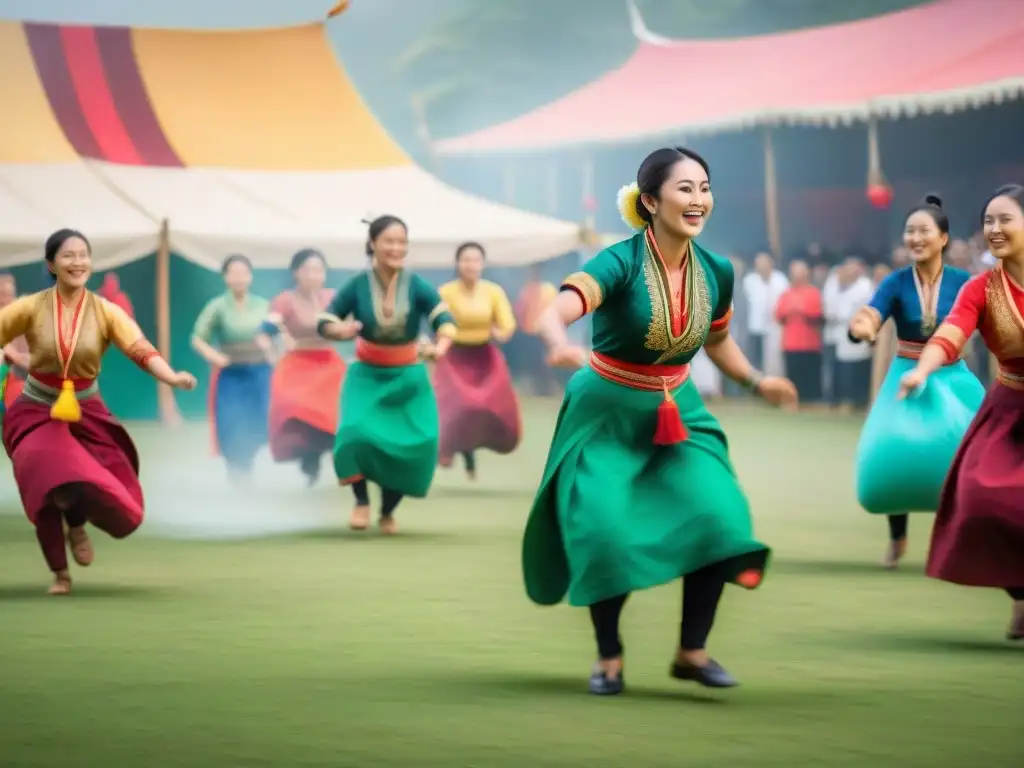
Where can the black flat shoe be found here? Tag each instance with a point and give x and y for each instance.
(712, 675)
(602, 685)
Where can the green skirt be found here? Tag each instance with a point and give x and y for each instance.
(616, 513)
(388, 431)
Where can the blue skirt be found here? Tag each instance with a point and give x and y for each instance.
(240, 412)
(907, 446)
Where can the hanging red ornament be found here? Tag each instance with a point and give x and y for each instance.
(879, 195)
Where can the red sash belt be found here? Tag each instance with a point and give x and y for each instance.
(56, 381)
(650, 378)
(911, 350)
(670, 429)
(386, 356)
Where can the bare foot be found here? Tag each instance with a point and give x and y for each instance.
(81, 547)
(360, 519)
(893, 555)
(61, 584)
(388, 526)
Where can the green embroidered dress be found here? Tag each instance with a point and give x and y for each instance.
(389, 426)
(616, 513)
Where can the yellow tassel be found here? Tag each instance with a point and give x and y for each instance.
(66, 408)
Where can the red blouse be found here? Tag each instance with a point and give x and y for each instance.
(991, 303)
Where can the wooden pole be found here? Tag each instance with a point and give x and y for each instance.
(169, 413)
(771, 196)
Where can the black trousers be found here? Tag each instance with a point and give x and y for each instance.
(854, 382)
(702, 591)
(388, 502)
(1017, 593)
(898, 526)
(804, 369)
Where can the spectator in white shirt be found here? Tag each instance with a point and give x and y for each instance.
(853, 360)
(762, 289)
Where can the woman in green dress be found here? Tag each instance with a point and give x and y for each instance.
(389, 425)
(638, 489)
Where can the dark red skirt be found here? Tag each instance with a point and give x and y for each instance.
(305, 395)
(978, 538)
(95, 455)
(476, 403)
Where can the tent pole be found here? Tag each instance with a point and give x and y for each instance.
(771, 196)
(169, 413)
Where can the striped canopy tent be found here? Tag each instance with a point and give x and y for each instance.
(244, 141)
(171, 149)
(942, 56)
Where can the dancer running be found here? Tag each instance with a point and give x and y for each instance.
(477, 405)
(978, 538)
(14, 370)
(306, 384)
(73, 462)
(227, 336)
(638, 489)
(388, 431)
(919, 435)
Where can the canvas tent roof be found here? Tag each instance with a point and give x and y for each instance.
(945, 55)
(251, 141)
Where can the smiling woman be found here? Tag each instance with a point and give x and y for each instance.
(978, 539)
(73, 462)
(639, 489)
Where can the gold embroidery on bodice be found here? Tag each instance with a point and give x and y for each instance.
(697, 305)
(389, 324)
(1004, 317)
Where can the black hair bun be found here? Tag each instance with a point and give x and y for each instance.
(933, 200)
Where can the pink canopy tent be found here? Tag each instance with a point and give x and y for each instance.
(946, 55)
(943, 56)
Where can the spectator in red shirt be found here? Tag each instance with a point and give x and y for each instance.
(799, 313)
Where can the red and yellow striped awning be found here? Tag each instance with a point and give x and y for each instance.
(184, 98)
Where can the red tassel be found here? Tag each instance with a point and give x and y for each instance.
(670, 430)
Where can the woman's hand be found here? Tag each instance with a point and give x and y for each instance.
(184, 380)
(567, 356)
(220, 360)
(862, 328)
(342, 330)
(911, 382)
(778, 391)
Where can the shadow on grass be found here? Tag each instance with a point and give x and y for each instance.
(85, 591)
(906, 642)
(503, 684)
(844, 568)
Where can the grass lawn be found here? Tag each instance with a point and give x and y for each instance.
(206, 642)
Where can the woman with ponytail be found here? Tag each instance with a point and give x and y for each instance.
(920, 435)
(389, 423)
(638, 489)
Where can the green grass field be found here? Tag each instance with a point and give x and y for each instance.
(324, 648)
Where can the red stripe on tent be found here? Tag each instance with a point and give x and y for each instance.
(44, 41)
(85, 65)
(131, 98)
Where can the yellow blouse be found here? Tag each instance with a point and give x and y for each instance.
(88, 330)
(478, 311)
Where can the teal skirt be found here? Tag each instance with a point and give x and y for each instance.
(388, 431)
(907, 446)
(616, 514)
